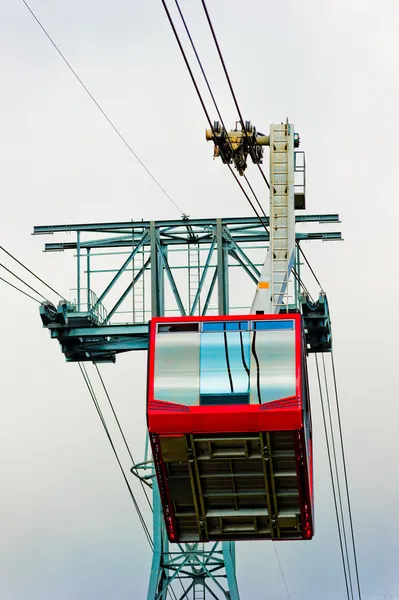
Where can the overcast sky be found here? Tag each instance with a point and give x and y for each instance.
(68, 528)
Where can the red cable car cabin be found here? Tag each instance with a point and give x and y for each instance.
(229, 422)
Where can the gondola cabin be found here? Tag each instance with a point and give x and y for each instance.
(229, 423)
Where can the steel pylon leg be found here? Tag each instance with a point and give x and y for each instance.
(191, 567)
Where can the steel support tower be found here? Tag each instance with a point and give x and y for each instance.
(127, 272)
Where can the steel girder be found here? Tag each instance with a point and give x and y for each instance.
(93, 327)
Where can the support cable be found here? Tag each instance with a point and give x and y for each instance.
(203, 105)
(214, 100)
(345, 475)
(230, 84)
(243, 125)
(334, 454)
(296, 276)
(32, 273)
(332, 478)
(121, 431)
(107, 118)
(19, 290)
(24, 282)
(92, 393)
(281, 570)
(309, 265)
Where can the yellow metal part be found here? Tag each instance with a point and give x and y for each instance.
(208, 135)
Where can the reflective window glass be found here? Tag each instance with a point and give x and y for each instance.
(273, 325)
(176, 369)
(224, 364)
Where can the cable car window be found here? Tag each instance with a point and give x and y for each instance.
(273, 363)
(225, 326)
(269, 325)
(169, 327)
(224, 367)
(176, 367)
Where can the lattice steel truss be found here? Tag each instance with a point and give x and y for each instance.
(154, 268)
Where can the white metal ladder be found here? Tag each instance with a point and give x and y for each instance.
(138, 291)
(194, 274)
(280, 238)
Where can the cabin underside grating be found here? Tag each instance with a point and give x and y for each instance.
(231, 487)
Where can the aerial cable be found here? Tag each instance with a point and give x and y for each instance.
(309, 265)
(204, 107)
(121, 431)
(32, 273)
(19, 290)
(102, 419)
(92, 393)
(281, 571)
(230, 84)
(345, 475)
(336, 474)
(214, 102)
(332, 477)
(24, 282)
(108, 119)
(220, 117)
(243, 124)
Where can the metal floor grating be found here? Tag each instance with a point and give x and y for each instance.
(230, 487)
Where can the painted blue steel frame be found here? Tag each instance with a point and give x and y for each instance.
(85, 332)
(88, 331)
(192, 565)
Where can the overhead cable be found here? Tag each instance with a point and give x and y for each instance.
(281, 571)
(337, 478)
(230, 84)
(215, 105)
(107, 118)
(345, 475)
(332, 480)
(121, 430)
(32, 273)
(204, 107)
(92, 393)
(22, 281)
(262, 222)
(309, 265)
(19, 290)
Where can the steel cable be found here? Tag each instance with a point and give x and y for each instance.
(296, 276)
(121, 431)
(107, 118)
(19, 290)
(22, 281)
(216, 107)
(92, 393)
(32, 273)
(281, 571)
(345, 476)
(332, 478)
(334, 454)
(230, 84)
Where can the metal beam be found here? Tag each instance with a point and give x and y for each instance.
(256, 235)
(221, 268)
(121, 225)
(121, 270)
(203, 277)
(171, 281)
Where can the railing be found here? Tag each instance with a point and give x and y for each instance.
(88, 304)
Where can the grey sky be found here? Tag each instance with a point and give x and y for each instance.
(68, 529)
